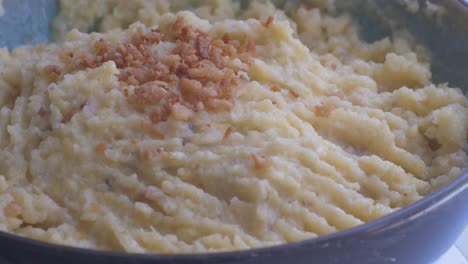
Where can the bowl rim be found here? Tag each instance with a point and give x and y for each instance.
(394, 220)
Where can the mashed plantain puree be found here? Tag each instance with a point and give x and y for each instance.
(207, 127)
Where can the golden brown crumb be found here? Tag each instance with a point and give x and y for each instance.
(52, 71)
(206, 71)
(172, 61)
(323, 62)
(42, 111)
(148, 94)
(226, 38)
(69, 115)
(179, 24)
(433, 144)
(228, 132)
(251, 47)
(219, 104)
(149, 38)
(268, 22)
(260, 162)
(323, 110)
(66, 54)
(154, 133)
(146, 154)
(294, 94)
(275, 89)
(216, 56)
(192, 78)
(194, 89)
(160, 115)
(87, 61)
(181, 112)
(101, 47)
(101, 147)
(203, 46)
(145, 123)
(13, 209)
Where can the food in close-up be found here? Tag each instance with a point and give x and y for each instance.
(209, 127)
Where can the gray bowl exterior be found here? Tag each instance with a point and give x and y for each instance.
(419, 233)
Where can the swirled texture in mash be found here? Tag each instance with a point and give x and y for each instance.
(192, 132)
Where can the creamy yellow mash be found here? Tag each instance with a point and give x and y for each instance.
(217, 128)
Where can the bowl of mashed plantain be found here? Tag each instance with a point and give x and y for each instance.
(156, 131)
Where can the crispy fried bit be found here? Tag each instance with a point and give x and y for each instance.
(154, 133)
(187, 52)
(323, 110)
(149, 38)
(219, 104)
(146, 155)
(207, 72)
(228, 132)
(216, 56)
(275, 89)
(87, 61)
(323, 62)
(193, 77)
(203, 46)
(42, 111)
(171, 60)
(179, 24)
(160, 115)
(294, 94)
(52, 71)
(250, 46)
(226, 38)
(148, 94)
(101, 46)
(181, 112)
(268, 22)
(13, 209)
(101, 147)
(433, 144)
(191, 87)
(260, 162)
(145, 123)
(66, 55)
(69, 115)
(125, 91)
(235, 44)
